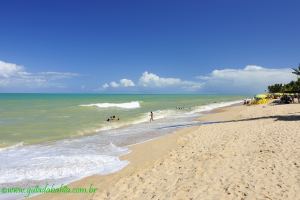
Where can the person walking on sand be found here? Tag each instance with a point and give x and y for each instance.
(151, 116)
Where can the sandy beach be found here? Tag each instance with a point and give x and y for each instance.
(149, 100)
(241, 152)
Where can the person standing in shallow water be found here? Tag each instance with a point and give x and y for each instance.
(151, 116)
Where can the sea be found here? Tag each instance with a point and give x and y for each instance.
(60, 138)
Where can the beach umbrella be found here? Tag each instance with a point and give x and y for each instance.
(261, 96)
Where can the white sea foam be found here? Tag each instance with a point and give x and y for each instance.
(169, 113)
(12, 146)
(127, 105)
(59, 161)
(144, 117)
(162, 114)
(213, 106)
(58, 167)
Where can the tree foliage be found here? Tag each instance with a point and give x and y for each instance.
(293, 86)
(297, 71)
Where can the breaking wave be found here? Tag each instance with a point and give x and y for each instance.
(127, 105)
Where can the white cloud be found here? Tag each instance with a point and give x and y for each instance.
(57, 75)
(126, 83)
(105, 85)
(122, 83)
(252, 78)
(8, 70)
(16, 76)
(114, 84)
(152, 80)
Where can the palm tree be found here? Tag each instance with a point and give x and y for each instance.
(297, 71)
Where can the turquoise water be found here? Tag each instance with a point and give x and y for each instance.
(36, 118)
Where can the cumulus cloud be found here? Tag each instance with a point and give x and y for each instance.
(13, 75)
(8, 70)
(126, 83)
(105, 85)
(252, 78)
(114, 84)
(122, 83)
(152, 80)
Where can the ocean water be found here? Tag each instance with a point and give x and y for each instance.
(58, 138)
(35, 118)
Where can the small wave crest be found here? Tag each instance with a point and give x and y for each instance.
(127, 105)
(160, 114)
(212, 106)
(12, 146)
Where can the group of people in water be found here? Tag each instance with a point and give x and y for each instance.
(182, 108)
(113, 118)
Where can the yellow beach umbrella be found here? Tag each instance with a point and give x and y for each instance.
(261, 96)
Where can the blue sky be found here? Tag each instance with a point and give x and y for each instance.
(152, 46)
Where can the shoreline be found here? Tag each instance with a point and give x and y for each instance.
(168, 127)
(104, 129)
(148, 159)
(136, 161)
(154, 149)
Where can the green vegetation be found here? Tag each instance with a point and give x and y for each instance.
(291, 87)
(297, 71)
